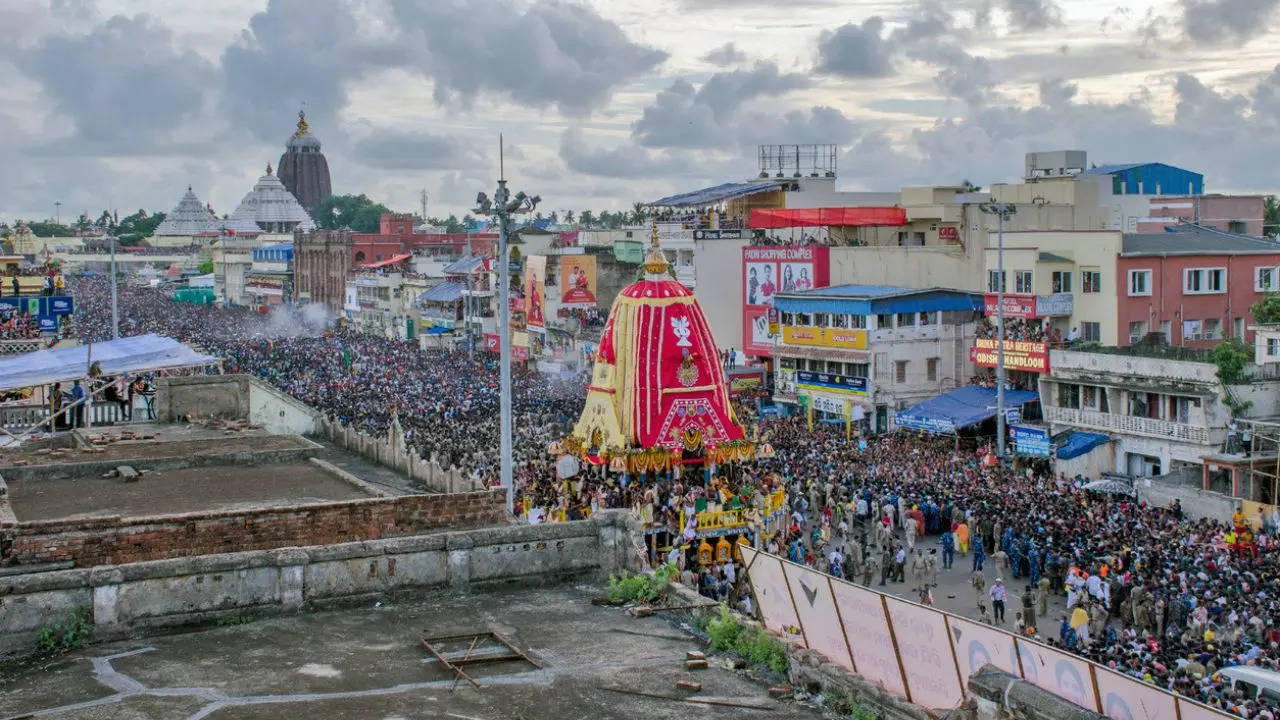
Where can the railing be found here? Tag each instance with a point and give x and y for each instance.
(709, 520)
(18, 347)
(1149, 427)
(21, 417)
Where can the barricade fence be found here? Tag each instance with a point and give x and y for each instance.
(925, 655)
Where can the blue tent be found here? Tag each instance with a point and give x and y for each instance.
(960, 408)
(1078, 443)
(437, 330)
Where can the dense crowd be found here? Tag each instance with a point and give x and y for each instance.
(1147, 591)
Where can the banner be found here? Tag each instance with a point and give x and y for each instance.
(926, 655)
(1061, 674)
(976, 645)
(768, 270)
(491, 343)
(1030, 441)
(535, 293)
(578, 280)
(1028, 306)
(817, 610)
(867, 631)
(1018, 355)
(770, 588)
(839, 384)
(1124, 699)
(825, 337)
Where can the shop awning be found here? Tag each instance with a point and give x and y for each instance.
(141, 353)
(827, 217)
(960, 408)
(1079, 443)
(444, 292)
(715, 195)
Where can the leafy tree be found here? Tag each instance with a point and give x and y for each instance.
(205, 267)
(357, 212)
(1271, 215)
(587, 219)
(568, 217)
(83, 222)
(969, 187)
(1231, 356)
(137, 227)
(49, 229)
(1267, 310)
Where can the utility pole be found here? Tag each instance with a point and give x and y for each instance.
(1002, 211)
(502, 207)
(57, 212)
(115, 307)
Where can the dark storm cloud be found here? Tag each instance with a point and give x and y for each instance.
(124, 84)
(400, 150)
(1226, 21)
(859, 51)
(725, 55)
(684, 117)
(550, 54)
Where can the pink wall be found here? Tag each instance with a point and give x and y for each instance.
(1167, 301)
(1215, 211)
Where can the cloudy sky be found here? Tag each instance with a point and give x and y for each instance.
(123, 103)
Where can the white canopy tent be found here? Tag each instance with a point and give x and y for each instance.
(131, 355)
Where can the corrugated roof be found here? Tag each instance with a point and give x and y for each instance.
(462, 266)
(872, 299)
(1195, 240)
(1048, 257)
(444, 292)
(717, 193)
(1112, 169)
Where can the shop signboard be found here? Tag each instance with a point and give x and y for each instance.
(1017, 305)
(768, 270)
(825, 337)
(829, 383)
(1021, 355)
(1030, 441)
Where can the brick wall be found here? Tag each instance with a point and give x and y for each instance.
(116, 540)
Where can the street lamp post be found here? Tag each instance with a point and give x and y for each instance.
(115, 308)
(503, 207)
(1002, 211)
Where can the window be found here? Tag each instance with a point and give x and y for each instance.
(820, 320)
(1166, 329)
(787, 363)
(1139, 282)
(840, 321)
(900, 371)
(1239, 328)
(906, 320)
(928, 318)
(1191, 330)
(858, 321)
(1090, 281)
(884, 321)
(788, 318)
(1068, 395)
(817, 366)
(995, 281)
(1201, 281)
(1022, 281)
(1061, 281)
(1264, 279)
(1137, 331)
(932, 369)
(1273, 347)
(1212, 329)
(834, 367)
(1238, 227)
(804, 319)
(1091, 331)
(1089, 397)
(857, 370)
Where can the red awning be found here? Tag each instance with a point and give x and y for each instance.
(389, 261)
(822, 217)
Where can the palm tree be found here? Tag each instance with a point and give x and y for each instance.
(587, 218)
(639, 213)
(568, 217)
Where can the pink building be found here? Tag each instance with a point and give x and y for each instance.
(1195, 286)
(1240, 214)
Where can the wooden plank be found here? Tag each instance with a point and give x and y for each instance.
(450, 665)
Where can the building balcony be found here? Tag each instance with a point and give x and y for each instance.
(1128, 424)
(685, 276)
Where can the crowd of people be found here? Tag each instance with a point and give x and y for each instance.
(1021, 329)
(1143, 590)
(1147, 591)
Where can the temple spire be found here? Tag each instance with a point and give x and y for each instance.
(302, 124)
(655, 262)
(268, 167)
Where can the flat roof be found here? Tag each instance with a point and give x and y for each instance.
(1195, 240)
(873, 299)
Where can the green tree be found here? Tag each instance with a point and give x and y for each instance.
(49, 229)
(357, 212)
(1231, 357)
(205, 267)
(1267, 310)
(587, 219)
(568, 217)
(1271, 216)
(137, 227)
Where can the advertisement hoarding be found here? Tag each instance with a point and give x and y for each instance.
(826, 382)
(535, 293)
(1021, 355)
(825, 337)
(578, 280)
(768, 270)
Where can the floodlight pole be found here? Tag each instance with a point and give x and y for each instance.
(1002, 211)
(115, 307)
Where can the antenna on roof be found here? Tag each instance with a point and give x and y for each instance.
(502, 172)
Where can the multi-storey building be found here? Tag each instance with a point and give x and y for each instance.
(322, 259)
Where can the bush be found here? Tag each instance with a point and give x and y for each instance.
(642, 588)
(65, 636)
(754, 645)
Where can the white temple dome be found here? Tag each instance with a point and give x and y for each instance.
(271, 207)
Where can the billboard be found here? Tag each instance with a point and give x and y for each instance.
(578, 280)
(826, 382)
(769, 586)
(1029, 306)
(921, 634)
(825, 337)
(1018, 355)
(1063, 675)
(1030, 441)
(816, 607)
(535, 293)
(768, 270)
(867, 632)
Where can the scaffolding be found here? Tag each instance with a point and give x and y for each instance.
(1262, 438)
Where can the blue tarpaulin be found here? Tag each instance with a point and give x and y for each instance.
(141, 353)
(437, 330)
(960, 408)
(1078, 443)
